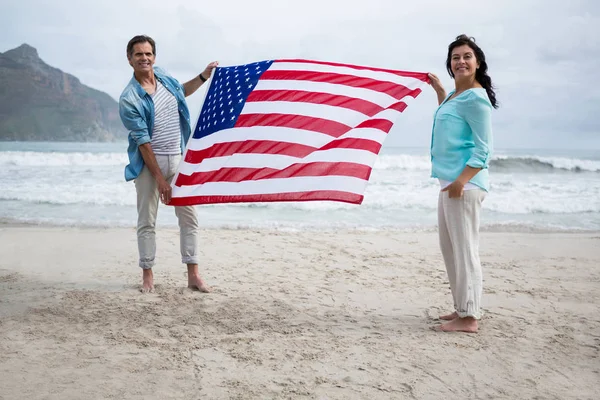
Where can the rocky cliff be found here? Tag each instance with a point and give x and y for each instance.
(40, 102)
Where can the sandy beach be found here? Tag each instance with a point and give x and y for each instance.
(298, 315)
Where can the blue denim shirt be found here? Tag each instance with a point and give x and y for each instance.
(461, 136)
(136, 109)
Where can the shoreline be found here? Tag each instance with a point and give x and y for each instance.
(491, 228)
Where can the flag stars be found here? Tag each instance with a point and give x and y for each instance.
(220, 110)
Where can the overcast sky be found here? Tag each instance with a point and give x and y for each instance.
(544, 55)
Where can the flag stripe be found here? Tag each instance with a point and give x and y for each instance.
(331, 128)
(381, 75)
(317, 111)
(335, 114)
(392, 89)
(277, 185)
(274, 133)
(278, 161)
(383, 124)
(301, 96)
(414, 75)
(379, 98)
(242, 174)
(276, 147)
(313, 195)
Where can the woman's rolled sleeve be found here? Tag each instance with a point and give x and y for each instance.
(478, 114)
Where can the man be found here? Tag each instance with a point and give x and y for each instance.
(153, 109)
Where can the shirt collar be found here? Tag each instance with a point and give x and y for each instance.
(138, 88)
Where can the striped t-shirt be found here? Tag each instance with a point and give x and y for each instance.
(166, 133)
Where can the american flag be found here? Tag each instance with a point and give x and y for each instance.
(291, 130)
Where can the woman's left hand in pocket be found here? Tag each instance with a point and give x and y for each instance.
(455, 189)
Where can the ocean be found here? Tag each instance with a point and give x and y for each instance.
(82, 184)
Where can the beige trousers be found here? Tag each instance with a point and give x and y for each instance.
(458, 222)
(147, 207)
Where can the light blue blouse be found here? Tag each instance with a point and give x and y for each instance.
(461, 136)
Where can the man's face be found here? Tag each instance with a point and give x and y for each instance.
(142, 58)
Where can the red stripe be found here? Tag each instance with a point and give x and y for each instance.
(399, 106)
(393, 89)
(301, 96)
(315, 169)
(278, 148)
(354, 143)
(381, 124)
(331, 128)
(422, 76)
(330, 195)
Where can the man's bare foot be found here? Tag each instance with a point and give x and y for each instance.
(147, 281)
(195, 282)
(449, 317)
(467, 324)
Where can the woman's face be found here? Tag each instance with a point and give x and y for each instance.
(464, 64)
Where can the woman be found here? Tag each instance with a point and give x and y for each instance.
(461, 144)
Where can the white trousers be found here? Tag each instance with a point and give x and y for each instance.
(458, 222)
(147, 206)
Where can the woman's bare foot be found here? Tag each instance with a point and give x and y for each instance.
(195, 282)
(467, 324)
(147, 281)
(449, 317)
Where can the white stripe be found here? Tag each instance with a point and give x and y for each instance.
(390, 115)
(379, 98)
(411, 83)
(278, 134)
(376, 135)
(323, 111)
(276, 185)
(277, 161)
(274, 133)
(331, 113)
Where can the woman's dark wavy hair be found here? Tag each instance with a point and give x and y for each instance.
(481, 74)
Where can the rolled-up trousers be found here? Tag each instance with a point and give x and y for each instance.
(458, 222)
(147, 207)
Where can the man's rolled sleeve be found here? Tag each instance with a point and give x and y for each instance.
(133, 121)
(478, 114)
